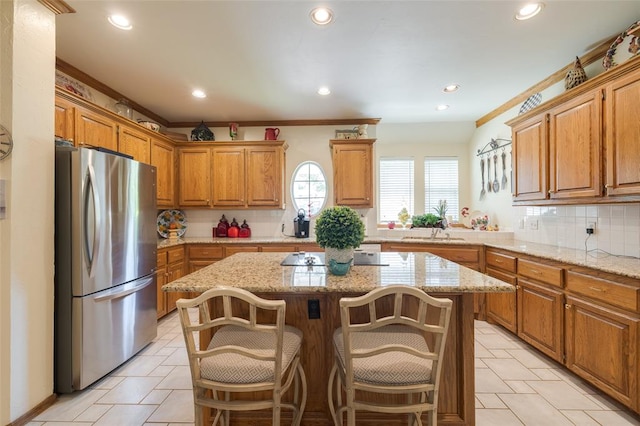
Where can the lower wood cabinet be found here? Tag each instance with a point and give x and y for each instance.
(501, 307)
(602, 347)
(170, 268)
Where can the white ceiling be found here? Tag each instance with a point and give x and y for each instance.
(264, 60)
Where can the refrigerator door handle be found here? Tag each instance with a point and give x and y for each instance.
(92, 220)
(112, 295)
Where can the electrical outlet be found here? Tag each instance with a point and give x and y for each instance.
(313, 307)
(591, 228)
(533, 224)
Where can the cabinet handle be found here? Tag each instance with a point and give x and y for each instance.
(552, 192)
(497, 260)
(567, 306)
(596, 289)
(534, 271)
(607, 186)
(517, 287)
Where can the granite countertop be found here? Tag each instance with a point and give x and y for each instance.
(262, 272)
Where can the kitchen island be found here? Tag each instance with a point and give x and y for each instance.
(310, 291)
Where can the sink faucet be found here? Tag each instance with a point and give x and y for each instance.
(434, 232)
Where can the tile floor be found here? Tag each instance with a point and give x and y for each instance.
(515, 385)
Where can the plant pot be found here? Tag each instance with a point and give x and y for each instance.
(340, 258)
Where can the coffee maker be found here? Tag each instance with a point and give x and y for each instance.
(301, 225)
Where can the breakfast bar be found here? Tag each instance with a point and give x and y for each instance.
(312, 295)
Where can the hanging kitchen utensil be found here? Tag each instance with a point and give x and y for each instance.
(504, 172)
(488, 173)
(496, 184)
(483, 192)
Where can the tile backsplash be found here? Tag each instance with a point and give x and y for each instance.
(617, 227)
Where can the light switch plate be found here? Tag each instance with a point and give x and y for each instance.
(533, 224)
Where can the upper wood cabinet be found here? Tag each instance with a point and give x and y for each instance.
(240, 175)
(194, 177)
(163, 157)
(94, 129)
(530, 151)
(569, 149)
(352, 172)
(134, 143)
(65, 123)
(575, 148)
(623, 136)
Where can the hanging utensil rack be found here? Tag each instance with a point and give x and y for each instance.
(494, 145)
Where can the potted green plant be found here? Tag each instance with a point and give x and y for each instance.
(339, 231)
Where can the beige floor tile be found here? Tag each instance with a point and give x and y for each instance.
(519, 386)
(177, 340)
(579, 418)
(534, 410)
(179, 357)
(93, 413)
(510, 369)
(605, 402)
(140, 365)
(545, 373)
(532, 359)
(67, 424)
(126, 415)
(478, 403)
(480, 363)
(482, 352)
(162, 370)
(178, 407)
(488, 382)
(495, 341)
(180, 424)
(500, 353)
(68, 407)
(490, 400)
(109, 382)
(131, 390)
(562, 396)
(156, 397)
(158, 424)
(614, 418)
(496, 417)
(179, 378)
(35, 423)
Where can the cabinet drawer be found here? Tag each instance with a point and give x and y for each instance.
(233, 249)
(507, 278)
(175, 254)
(205, 252)
(501, 261)
(162, 258)
(614, 293)
(456, 254)
(546, 273)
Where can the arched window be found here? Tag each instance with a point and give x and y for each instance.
(309, 188)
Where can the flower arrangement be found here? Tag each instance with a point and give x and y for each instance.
(480, 222)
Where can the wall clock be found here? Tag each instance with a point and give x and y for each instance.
(6, 143)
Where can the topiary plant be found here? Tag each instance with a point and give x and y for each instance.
(339, 227)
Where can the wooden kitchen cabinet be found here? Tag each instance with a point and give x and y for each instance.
(194, 177)
(228, 177)
(540, 306)
(529, 153)
(163, 157)
(134, 143)
(161, 280)
(501, 307)
(65, 123)
(175, 270)
(96, 130)
(352, 172)
(622, 136)
(575, 148)
(202, 255)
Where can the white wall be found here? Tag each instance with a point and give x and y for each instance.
(27, 52)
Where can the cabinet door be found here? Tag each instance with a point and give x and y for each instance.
(501, 307)
(264, 176)
(352, 174)
(602, 347)
(162, 156)
(65, 119)
(161, 295)
(134, 143)
(174, 271)
(94, 129)
(623, 133)
(228, 174)
(575, 148)
(540, 317)
(194, 177)
(530, 159)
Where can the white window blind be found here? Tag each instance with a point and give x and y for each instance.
(441, 183)
(396, 187)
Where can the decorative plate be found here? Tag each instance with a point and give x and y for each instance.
(168, 217)
(531, 102)
(630, 41)
(73, 86)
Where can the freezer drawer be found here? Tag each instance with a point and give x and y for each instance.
(107, 328)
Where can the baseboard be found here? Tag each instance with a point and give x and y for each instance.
(31, 414)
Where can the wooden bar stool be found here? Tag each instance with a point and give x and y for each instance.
(246, 354)
(388, 354)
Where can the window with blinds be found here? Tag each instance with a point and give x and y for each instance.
(396, 186)
(441, 183)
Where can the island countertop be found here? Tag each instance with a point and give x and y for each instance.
(262, 272)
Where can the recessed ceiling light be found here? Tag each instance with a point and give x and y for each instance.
(451, 88)
(324, 91)
(321, 15)
(529, 11)
(442, 107)
(199, 93)
(120, 21)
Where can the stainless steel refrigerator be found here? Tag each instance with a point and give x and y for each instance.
(105, 263)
